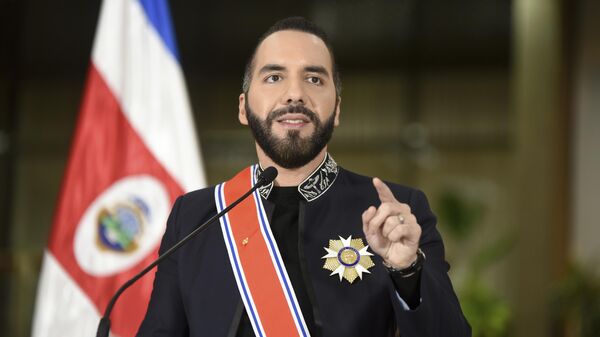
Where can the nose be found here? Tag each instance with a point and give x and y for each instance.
(295, 93)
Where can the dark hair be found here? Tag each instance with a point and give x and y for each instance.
(300, 24)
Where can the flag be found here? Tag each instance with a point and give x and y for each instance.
(134, 151)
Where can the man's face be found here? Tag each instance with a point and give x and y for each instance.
(291, 105)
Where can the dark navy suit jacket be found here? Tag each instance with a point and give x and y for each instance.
(195, 293)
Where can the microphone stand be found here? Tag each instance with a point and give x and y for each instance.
(265, 178)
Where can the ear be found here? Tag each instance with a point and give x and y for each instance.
(242, 109)
(336, 121)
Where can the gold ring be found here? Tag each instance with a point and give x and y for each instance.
(401, 218)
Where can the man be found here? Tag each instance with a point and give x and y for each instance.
(322, 251)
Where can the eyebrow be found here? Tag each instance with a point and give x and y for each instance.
(271, 67)
(317, 69)
(276, 67)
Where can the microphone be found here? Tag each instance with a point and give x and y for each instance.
(268, 175)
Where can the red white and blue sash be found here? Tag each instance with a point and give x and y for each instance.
(259, 270)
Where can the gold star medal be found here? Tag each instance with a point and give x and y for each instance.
(348, 258)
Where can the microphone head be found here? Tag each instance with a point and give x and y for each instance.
(268, 175)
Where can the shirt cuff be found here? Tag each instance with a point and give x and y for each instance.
(408, 289)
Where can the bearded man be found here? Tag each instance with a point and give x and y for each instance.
(321, 251)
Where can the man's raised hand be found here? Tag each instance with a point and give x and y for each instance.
(391, 229)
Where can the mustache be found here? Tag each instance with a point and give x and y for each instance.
(301, 109)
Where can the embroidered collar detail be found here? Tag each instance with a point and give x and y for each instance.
(315, 185)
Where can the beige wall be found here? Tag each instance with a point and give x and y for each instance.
(541, 205)
(585, 238)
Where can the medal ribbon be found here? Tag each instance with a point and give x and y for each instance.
(259, 270)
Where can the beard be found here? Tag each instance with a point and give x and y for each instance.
(292, 151)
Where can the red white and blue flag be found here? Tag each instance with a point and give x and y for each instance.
(134, 151)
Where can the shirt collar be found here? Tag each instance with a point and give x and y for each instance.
(315, 185)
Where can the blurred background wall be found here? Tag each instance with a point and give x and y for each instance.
(492, 107)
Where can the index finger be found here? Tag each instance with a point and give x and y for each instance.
(384, 192)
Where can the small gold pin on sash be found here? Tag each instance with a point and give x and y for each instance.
(245, 241)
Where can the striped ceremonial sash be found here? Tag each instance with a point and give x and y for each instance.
(259, 270)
